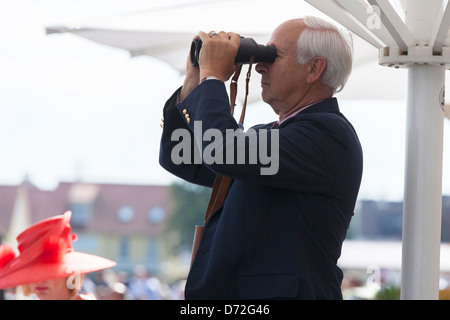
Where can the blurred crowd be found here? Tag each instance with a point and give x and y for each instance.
(122, 285)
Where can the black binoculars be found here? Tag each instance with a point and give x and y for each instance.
(247, 49)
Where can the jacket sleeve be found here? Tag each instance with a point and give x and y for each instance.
(176, 134)
(307, 155)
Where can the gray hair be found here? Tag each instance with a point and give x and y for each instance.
(323, 39)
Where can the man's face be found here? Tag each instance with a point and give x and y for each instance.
(283, 81)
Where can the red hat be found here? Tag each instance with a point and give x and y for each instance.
(46, 253)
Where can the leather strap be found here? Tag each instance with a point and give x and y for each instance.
(234, 87)
(247, 80)
(222, 183)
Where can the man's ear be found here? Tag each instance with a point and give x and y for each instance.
(316, 68)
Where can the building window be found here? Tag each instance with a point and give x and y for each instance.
(124, 248)
(153, 253)
(156, 215)
(125, 214)
(81, 214)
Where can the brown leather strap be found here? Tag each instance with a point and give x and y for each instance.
(247, 80)
(222, 183)
(218, 195)
(234, 87)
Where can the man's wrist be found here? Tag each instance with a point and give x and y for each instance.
(209, 78)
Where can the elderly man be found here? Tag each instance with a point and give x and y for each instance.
(277, 235)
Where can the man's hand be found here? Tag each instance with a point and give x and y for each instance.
(192, 79)
(216, 59)
(218, 54)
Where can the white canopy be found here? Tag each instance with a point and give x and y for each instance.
(166, 34)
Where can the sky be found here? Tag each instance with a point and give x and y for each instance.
(72, 109)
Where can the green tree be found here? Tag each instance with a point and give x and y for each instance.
(390, 292)
(190, 202)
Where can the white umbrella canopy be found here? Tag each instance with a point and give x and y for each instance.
(166, 34)
(171, 47)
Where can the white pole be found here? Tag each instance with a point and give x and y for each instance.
(422, 205)
(423, 181)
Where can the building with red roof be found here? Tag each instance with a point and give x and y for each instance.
(117, 221)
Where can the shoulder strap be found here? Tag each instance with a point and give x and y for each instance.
(222, 183)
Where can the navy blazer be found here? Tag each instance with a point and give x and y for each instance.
(276, 236)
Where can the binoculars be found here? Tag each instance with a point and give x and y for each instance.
(247, 49)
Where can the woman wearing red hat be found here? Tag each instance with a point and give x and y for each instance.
(47, 264)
